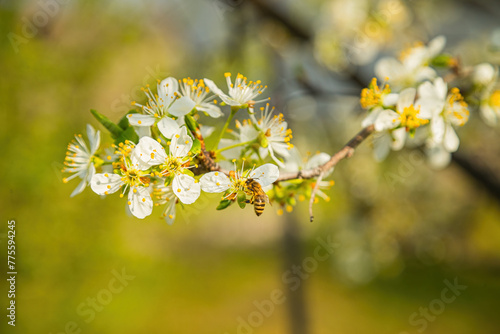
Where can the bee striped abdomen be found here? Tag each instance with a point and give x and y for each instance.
(259, 206)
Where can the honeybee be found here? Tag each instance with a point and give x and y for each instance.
(259, 197)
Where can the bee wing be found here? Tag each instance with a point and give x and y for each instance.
(265, 174)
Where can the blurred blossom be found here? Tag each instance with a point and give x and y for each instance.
(412, 66)
(355, 31)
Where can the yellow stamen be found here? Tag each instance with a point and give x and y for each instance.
(409, 118)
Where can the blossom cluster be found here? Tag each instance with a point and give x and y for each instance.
(415, 105)
(164, 156)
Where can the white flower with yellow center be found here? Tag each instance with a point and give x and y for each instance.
(392, 126)
(240, 93)
(272, 132)
(408, 115)
(161, 107)
(484, 74)
(150, 153)
(80, 159)
(165, 196)
(413, 65)
(128, 175)
(447, 109)
(376, 100)
(197, 91)
(489, 106)
(375, 97)
(217, 182)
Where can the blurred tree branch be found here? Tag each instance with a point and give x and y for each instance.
(469, 166)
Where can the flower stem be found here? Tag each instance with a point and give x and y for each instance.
(229, 119)
(236, 145)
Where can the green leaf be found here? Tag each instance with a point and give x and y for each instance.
(191, 123)
(123, 123)
(114, 129)
(223, 204)
(442, 60)
(196, 149)
(128, 134)
(242, 198)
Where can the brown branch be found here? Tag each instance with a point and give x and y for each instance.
(346, 152)
(204, 156)
(208, 163)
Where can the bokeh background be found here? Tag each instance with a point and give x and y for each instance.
(400, 228)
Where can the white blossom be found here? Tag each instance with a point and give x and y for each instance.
(447, 110)
(198, 92)
(162, 106)
(413, 65)
(150, 152)
(80, 159)
(128, 176)
(240, 93)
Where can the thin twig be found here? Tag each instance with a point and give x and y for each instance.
(313, 195)
(346, 152)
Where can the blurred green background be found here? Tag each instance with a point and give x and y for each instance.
(400, 228)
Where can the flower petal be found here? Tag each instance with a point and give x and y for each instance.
(483, 74)
(213, 87)
(186, 188)
(181, 143)
(94, 138)
(371, 117)
(141, 120)
(436, 45)
(438, 156)
(438, 127)
(140, 202)
(387, 119)
(388, 67)
(206, 130)
(104, 184)
(317, 160)
(143, 131)
(488, 114)
(382, 146)
(79, 188)
(181, 107)
(168, 127)
(390, 99)
(450, 141)
(212, 110)
(425, 73)
(399, 138)
(167, 89)
(150, 152)
(265, 174)
(214, 182)
(406, 98)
